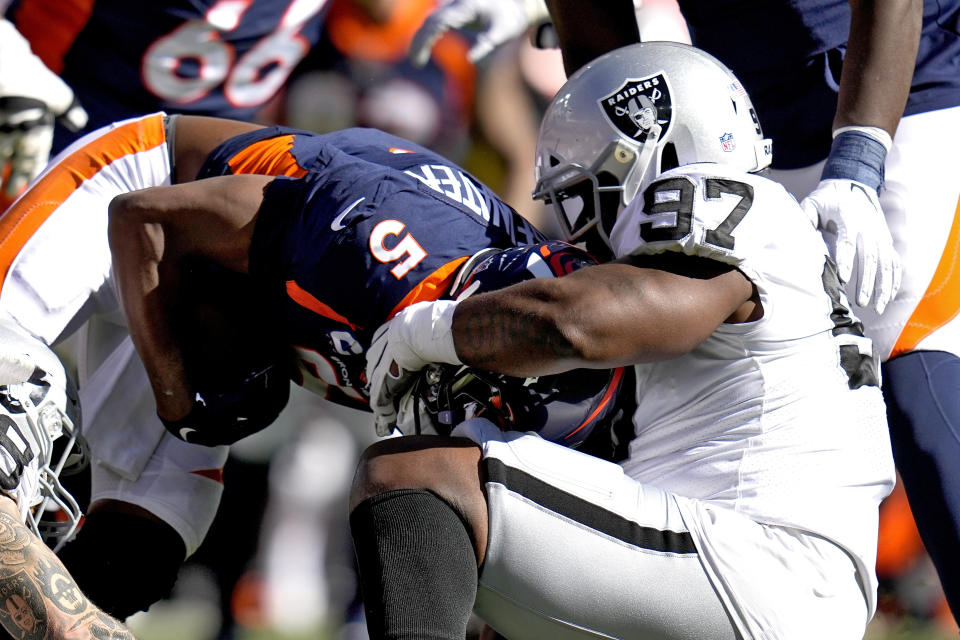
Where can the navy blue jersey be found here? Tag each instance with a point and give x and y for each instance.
(375, 224)
(209, 57)
(788, 54)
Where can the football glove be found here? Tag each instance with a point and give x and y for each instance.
(494, 21)
(846, 210)
(418, 335)
(31, 98)
(225, 417)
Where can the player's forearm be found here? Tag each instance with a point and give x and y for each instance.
(878, 68)
(598, 317)
(587, 30)
(146, 276)
(40, 598)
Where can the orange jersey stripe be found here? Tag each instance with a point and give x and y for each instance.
(355, 34)
(214, 474)
(450, 53)
(308, 301)
(21, 221)
(270, 157)
(941, 301)
(614, 383)
(51, 26)
(432, 287)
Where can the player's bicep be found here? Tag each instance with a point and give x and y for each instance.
(656, 308)
(210, 218)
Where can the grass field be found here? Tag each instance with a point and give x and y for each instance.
(182, 621)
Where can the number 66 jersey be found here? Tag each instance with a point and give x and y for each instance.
(780, 419)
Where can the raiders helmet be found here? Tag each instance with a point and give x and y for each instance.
(563, 408)
(39, 435)
(631, 114)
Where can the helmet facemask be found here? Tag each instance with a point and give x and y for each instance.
(583, 197)
(38, 412)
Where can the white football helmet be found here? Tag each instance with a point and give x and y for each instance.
(39, 435)
(631, 114)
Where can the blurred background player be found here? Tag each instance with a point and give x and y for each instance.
(214, 57)
(31, 96)
(359, 74)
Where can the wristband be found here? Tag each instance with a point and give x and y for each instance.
(858, 154)
(428, 330)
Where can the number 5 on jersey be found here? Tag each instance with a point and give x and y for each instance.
(408, 251)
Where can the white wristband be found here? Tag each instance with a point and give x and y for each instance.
(427, 328)
(878, 134)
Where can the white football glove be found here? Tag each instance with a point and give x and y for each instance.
(496, 21)
(418, 335)
(31, 97)
(849, 216)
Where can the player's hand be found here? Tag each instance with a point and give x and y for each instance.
(495, 21)
(31, 98)
(418, 335)
(849, 216)
(846, 209)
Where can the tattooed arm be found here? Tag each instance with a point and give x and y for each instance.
(38, 598)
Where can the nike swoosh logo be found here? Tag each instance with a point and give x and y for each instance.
(184, 432)
(336, 224)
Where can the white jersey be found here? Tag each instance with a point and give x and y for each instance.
(780, 419)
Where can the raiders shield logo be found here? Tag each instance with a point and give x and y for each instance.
(638, 105)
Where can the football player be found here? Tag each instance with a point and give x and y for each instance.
(55, 276)
(373, 213)
(118, 60)
(748, 504)
(163, 493)
(893, 55)
(39, 442)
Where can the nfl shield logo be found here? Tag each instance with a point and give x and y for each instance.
(727, 142)
(639, 106)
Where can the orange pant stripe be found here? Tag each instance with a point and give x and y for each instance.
(21, 221)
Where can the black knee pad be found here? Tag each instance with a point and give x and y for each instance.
(124, 562)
